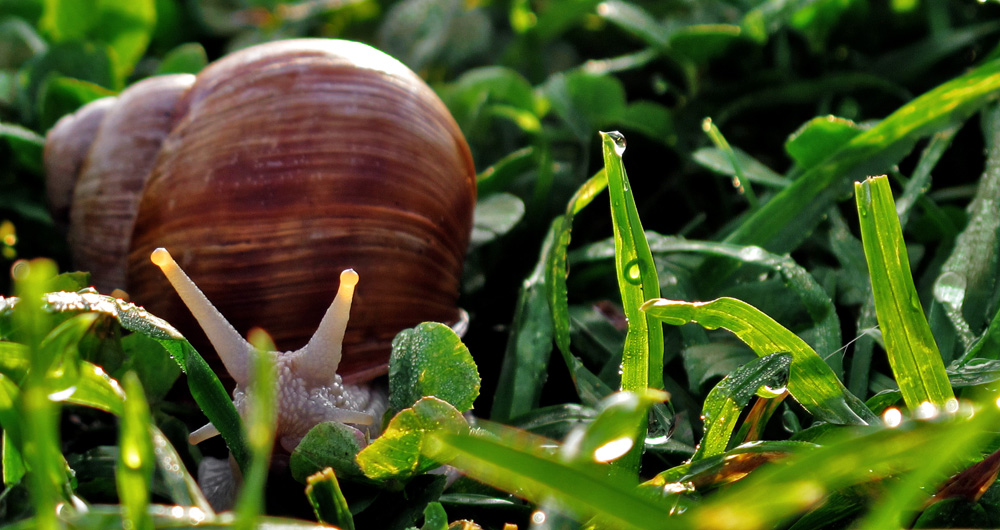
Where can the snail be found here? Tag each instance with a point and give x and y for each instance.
(268, 174)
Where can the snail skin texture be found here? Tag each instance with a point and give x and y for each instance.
(266, 175)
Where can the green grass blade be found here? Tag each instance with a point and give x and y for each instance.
(811, 382)
(47, 478)
(642, 357)
(642, 361)
(262, 396)
(773, 494)
(781, 223)
(134, 473)
(726, 401)
(913, 354)
(328, 502)
(814, 298)
(537, 477)
(556, 269)
(972, 264)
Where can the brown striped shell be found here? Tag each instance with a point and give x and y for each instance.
(274, 169)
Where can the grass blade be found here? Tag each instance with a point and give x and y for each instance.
(262, 396)
(773, 494)
(328, 502)
(538, 478)
(726, 401)
(134, 473)
(913, 354)
(810, 381)
(642, 358)
(781, 223)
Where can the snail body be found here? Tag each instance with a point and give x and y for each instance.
(266, 175)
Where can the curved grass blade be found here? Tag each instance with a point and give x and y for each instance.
(811, 382)
(781, 223)
(913, 354)
(539, 478)
(812, 295)
(134, 473)
(726, 401)
(556, 269)
(773, 494)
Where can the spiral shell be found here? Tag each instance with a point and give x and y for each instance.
(274, 169)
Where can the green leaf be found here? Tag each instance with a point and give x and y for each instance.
(135, 457)
(61, 95)
(435, 518)
(127, 26)
(327, 445)
(585, 102)
(328, 502)
(495, 216)
(430, 360)
(188, 58)
(721, 162)
(397, 454)
(913, 354)
(811, 381)
(25, 143)
(726, 401)
(703, 42)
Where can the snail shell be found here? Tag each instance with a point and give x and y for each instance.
(274, 169)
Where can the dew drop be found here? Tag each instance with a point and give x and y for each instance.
(619, 140)
(633, 272)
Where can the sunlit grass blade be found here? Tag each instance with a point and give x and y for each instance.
(134, 473)
(613, 432)
(740, 181)
(725, 468)
(781, 223)
(262, 397)
(10, 421)
(642, 360)
(328, 502)
(642, 357)
(810, 381)
(47, 476)
(773, 494)
(537, 477)
(913, 354)
(726, 401)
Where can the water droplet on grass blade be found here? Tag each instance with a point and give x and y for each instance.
(619, 140)
(633, 272)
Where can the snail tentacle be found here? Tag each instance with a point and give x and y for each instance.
(309, 389)
(232, 348)
(318, 360)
